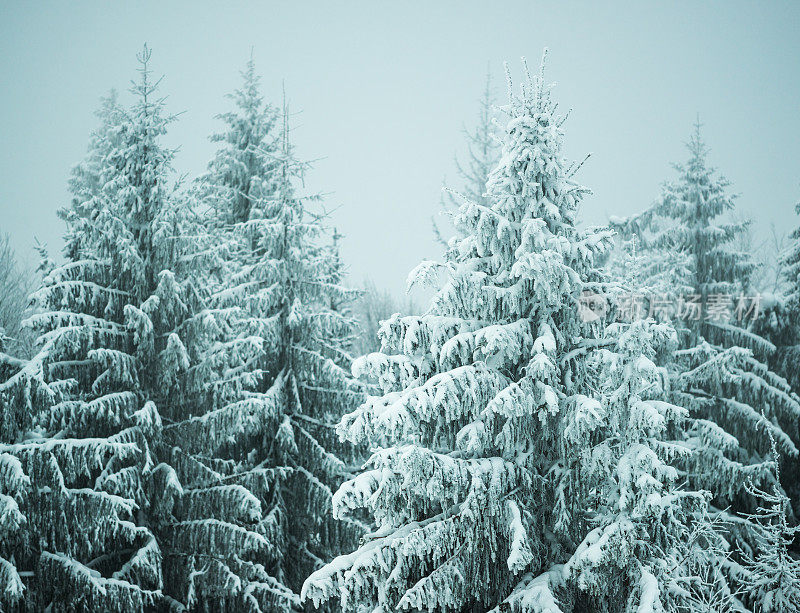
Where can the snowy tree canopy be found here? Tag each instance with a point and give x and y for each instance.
(78, 417)
(721, 372)
(503, 433)
(267, 378)
(192, 432)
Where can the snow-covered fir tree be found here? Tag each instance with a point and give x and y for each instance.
(77, 417)
(780, 320)
(791, 267)
(483, 151)
(780, 324)
(695, 202)
(773, 581)
(267, 379)
(518, 468)
(720, 372)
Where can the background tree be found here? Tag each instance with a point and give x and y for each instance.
(720, 371)
(483, 150)
(371, 308)
(16, 284)
(78, 416)
(267, 375)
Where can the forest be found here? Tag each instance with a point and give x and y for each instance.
(202, 410)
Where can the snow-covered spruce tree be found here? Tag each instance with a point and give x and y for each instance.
(773, 582)
(781, 314)
(693, 208)
(483, 152)
(16, 283)
(648, 536)
(268, 379)
(495, 447)
(76, 417)
(719, 372)
(685, 219)
(791, 267)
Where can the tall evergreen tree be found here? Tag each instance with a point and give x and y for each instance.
(483, 150)
(77, 417)
(720, 371)
(780, 321)
(773, 581)
(791, 270)
(268, 374)
(500, 421)
(695, 202)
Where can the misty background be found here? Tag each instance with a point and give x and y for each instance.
(382, 92)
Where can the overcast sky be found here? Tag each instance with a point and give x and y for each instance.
(384, 89)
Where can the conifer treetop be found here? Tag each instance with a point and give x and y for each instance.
(691, 207)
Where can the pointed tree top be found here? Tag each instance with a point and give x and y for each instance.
(144, 87)
(696, 144)
(143, 57)
(250, 92)
(249, 72)
(534, 91)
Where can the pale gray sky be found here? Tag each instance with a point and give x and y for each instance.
(385, 87)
